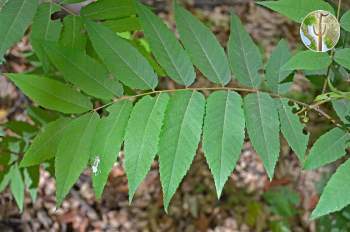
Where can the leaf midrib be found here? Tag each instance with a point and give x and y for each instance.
(85, 107)
(300, 146)
(84, 71)
(340, 140)
(222, 139)
(166, 49)
(177, 145)
(211, 65)
(74, 157)
(263, 129)
(143, 139)
(242, 49)
(114, 125)
(12, 23)
(52, 137)
(48, 22)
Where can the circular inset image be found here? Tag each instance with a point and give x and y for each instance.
(320, 31)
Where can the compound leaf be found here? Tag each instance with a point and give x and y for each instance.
(263, 128)
(203, 47)
(142, 138)
(107, 141)
(179, 139)
(223, 134)
(123, 60)
(166, 48)
(51, 94)
(73, 152)
(328, 148)
(244, 56)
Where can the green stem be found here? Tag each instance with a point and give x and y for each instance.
(325, 83)
(315, 107)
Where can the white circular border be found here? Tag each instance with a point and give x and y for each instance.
(300, 31)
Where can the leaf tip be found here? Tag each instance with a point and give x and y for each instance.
(270, 174)
(314, 215)
(219, 192)
(131, 194)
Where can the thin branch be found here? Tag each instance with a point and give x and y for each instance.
(314, 107)
(325, 84)
(338, 11)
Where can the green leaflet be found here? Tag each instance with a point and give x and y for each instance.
(244, 56)
(345, 21)
(41, 116)
(335, 195)
(203, 47)
(166, 48)
(342, 108)
(223, 134)
(17, 186)
(263, 128)
(44, 29)
(31, 180)
(121, 58)
(342, 57)
(15, 17)
(51, 94)
(5, 177)
(328, 148)
(21, 128)
(83, 71)
(72, 35)
(142, 137)
(308, 60)
(292, 129)
(297, 10)
(274, 73)
(109, 9)
(179, 139)
(5, 174)
(44, 146)
(73, 153)
(107, 141)
(123, 24)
